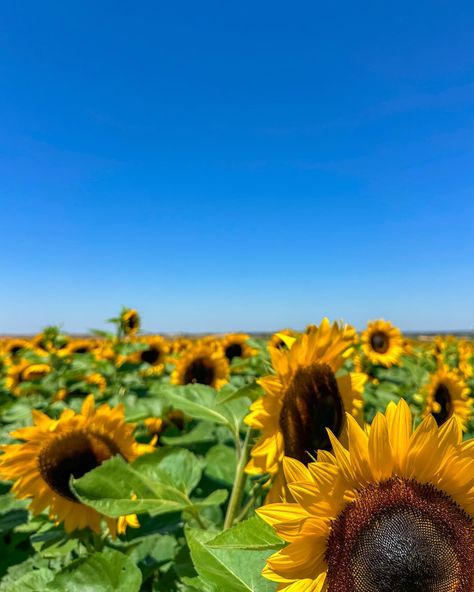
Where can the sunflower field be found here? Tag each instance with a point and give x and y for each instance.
(321, 460)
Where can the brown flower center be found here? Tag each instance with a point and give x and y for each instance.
(443, 398)
(311, 404)
(379, 342)
(401, 536)
(132, 321)
(73, 455)
(199, 371)
(233, 351)
(151, 355)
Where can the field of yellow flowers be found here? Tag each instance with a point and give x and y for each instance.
(322, 460)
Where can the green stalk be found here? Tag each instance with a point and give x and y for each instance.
(239, 483)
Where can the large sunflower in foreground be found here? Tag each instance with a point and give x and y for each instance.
(307, 394)
(447, 394)
(392, 513)
(382, 343)
(202, 364)
(53, 451)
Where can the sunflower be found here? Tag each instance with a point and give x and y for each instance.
(180, 345)
(81, 346)
(96, 383)
(130, 321)
(155, 352)
(466, 354)
(203, 365)
(307, 394)
(382, 343)
(53, 451)
(154, 426)
(24, 371)
(278, 339)
(392, 513)
(13, 348)
(234, 345)
(447, 394)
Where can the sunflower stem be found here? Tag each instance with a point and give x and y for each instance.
(239, 483)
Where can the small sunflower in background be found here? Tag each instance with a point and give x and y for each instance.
(306, 396)
(129, 321)
(466, 359)
(278, 340)
(22, 372)
(178, 345)
(382, 343)
(155, 352)
(50, 340)
(154, 427)
(392, 512)
(235, 345)
(95, 385)
(53, 451)
(447, 394)
(14, 347)
(202, 365)
(81, 346)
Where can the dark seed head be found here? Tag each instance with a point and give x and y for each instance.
(311, 404)
(379, 342)
(401, 536)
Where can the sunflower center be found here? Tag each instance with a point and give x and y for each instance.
(73, 455)
(132, 321)
(443, 400)
(81, 350)
(199, 371)
(379, 342)
(311, 404)
(401, 536)
(151, 355)
(233, 351)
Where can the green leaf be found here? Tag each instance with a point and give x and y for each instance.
(252, 534)
(197, 401)
(37, 580)
(221, 463)
(102, 572)
(160, 483)
(203, 432)
(110, 487)
(250, 391)
(232, 570)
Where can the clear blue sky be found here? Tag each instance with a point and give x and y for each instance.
(244, 165)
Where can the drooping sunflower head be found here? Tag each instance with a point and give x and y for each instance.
(202, 365)
(382, 343)
(447, 394)
(235, 345)
(52, 451)
(130, 321)
(307, 394)
(392, 512)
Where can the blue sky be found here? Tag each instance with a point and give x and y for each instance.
(236, 166)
